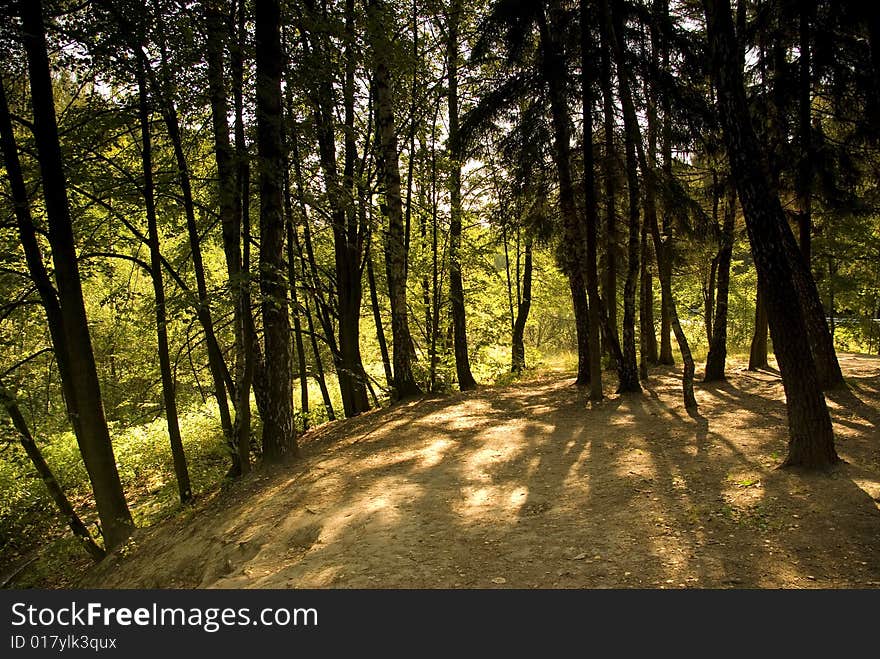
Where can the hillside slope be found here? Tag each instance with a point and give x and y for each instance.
(528, 486)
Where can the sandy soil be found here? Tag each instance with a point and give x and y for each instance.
(529, 486)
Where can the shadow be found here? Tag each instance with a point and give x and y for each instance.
(531, 485)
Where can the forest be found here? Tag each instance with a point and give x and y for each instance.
(434, 293)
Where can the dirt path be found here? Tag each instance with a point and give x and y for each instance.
(526, 487)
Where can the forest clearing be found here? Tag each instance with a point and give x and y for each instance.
(521, 487)
(439, 294)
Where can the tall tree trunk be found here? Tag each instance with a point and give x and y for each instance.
(662, 249)
(609, 281)
(42, 468)
(181, 471)
(666, 355)
(294, 301)
(804, 180)
(554, 75)
(646, 308)
(456, 289)
(230, 219)
(811, 438)
(313, 338)
(591, 211)
(717, 357)
(405, 385)
(348, 237)
(94, 436)
(216, 362)
(241, 203)
(279, 439)
(631, 138)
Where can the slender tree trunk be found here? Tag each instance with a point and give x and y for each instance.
(630, 370)
(666, 356)
(241, 204)
(294, 301)
(811, 438)
(518, 348)
(230, 219)
(804, 179)
(456, 289)
(591, 210)
(716, 360)
(554, 75)
(609, 282)
(94, 436)
(42, 468)
(377, 321)
(216, 363)
(634, 148)
(181, 470)
(348, 237)
(316, 352)
(646, 306)
(405, 385)
(279, 439)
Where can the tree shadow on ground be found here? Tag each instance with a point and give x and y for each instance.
(533, 486)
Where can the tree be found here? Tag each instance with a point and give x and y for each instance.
(811, 438)
(405, 385)
(456, 289)
(279, 439)
(74, 339)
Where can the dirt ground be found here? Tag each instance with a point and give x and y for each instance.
(529, 486)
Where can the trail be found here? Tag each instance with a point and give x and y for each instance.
(529, 486)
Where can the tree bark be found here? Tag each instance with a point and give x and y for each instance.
(181, 471)
(554, 73)
(94, 436)
(466, 380)
(230, 217)
(717, 357)
(591, 211)
(524, 305)
(42, 468)
(279, 439)
(612, 40)
(405, 385)
(609, 281)
(811, 438)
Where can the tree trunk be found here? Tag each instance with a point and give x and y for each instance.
(94, 436)
(279, 439)
(591, 210)
(717, 357)
(230, 218)
(203, 311)
(348, 237)
(666, 356)
(758, 349)
(456, 289)
(630, 368)
(181, 471)
(609, 281)
(811, 438)
(377, 321)
(45, 472)
(405, 385)
(241, 205)
(554, 75)
(518, 348)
